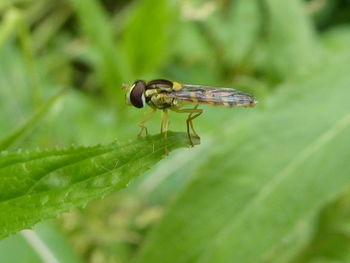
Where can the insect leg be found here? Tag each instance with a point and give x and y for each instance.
(164, 129)
(190, 118)
(142, 123)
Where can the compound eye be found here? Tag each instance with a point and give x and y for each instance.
(137, 94)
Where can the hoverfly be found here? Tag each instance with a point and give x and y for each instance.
(171, 95)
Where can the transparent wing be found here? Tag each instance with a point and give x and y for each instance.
(212, 96)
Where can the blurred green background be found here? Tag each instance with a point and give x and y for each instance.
(267, 184)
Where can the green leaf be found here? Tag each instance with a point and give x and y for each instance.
(291, 46)
(111, 64)
(237, 29)
(274, 36)
(330, 242)
(8, 27)
(28, 125)
(268, 174)
(39, 185)
(149, 35)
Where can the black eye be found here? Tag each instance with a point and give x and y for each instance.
(137, 97)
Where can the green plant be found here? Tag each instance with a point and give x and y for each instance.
(267, 184)
(39, 185)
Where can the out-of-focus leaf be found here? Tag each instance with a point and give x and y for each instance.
(337, 39)
(14, 23)
(15, 96)
(267, 176)
(49, 28)
(27, 126)
(322, 12)
(30, 62)
(149, 35)
(9, 23)
(330, 242)
(291, 47)
(39, 185)
(43, 244)
(4, 4)
(275, 37)
(198, 59)
(237, 28)
(111, 64)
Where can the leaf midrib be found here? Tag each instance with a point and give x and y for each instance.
(92, 177)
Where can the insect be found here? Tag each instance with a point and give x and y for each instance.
(171, 95)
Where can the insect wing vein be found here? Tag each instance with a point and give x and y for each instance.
(212, 96)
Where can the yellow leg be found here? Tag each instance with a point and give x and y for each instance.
(191, 117)
(142, 123)
(193, 113)
(164, 129)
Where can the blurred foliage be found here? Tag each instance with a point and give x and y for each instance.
(268, 184)
(46, 244)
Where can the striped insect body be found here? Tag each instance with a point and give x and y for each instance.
(171, 95)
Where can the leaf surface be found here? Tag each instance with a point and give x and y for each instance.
(39, 185)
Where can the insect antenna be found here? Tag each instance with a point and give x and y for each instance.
(125, 86)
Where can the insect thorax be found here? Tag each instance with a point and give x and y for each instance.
(158, 99)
